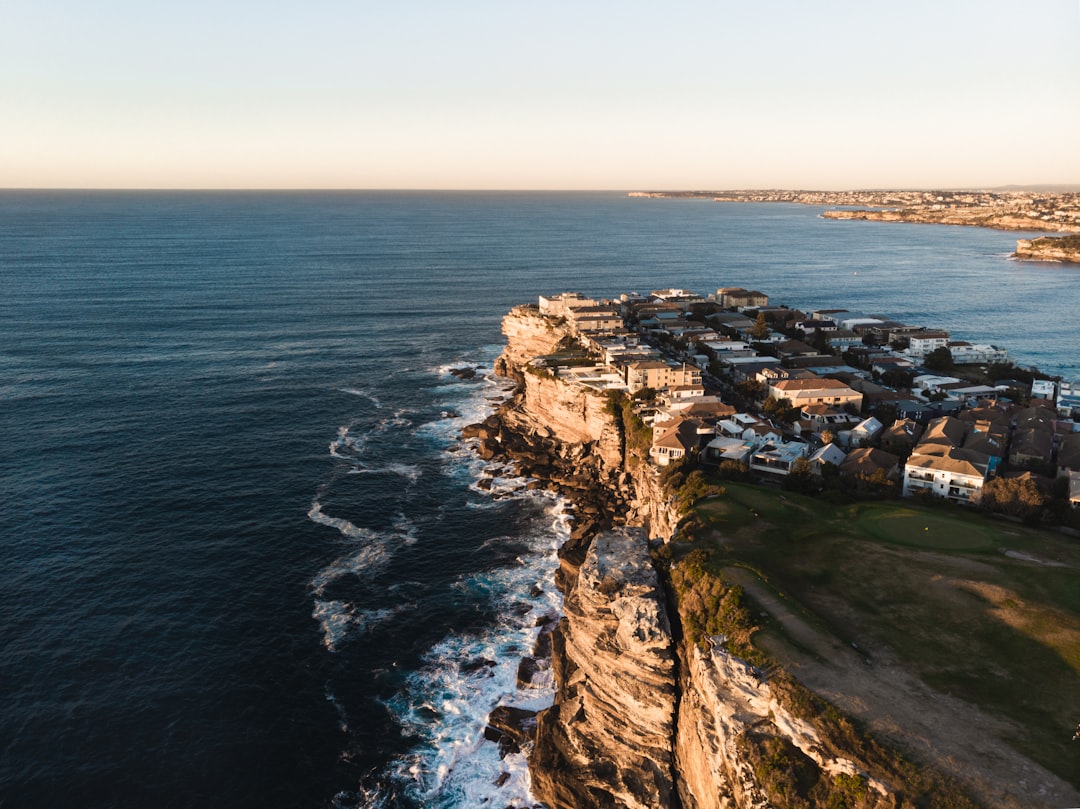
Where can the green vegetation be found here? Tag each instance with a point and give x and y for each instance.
(760, 329)
(980, 609)
(940, 359)
(541, 371)
(1071, 242)
(637, 434)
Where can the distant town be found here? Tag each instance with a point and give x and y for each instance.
(1050, 211)
(1007, 210)
(833, 397)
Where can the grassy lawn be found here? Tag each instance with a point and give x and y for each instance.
(984, 610)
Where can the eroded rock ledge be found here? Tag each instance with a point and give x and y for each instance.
(607, 740)
(1049, 248)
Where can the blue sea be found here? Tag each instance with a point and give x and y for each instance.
(245, 559)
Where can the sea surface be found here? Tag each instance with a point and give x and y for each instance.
(245, 559)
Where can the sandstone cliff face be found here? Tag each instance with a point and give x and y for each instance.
(1048, 249)
(607, 740)
(638, 720)
(528, 334)
(722, 700)
(569, 414)
(977, 217)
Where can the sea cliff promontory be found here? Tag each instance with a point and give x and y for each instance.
(661, 697)
(1049, 248)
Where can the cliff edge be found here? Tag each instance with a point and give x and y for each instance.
(1049, 248)
(606, 741)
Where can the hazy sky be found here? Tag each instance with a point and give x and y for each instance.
(537, 95)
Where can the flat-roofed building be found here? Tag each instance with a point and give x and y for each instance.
(802, 392)
(739, 298)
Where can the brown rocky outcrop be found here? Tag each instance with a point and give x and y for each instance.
(528, 334)
(1048, 248)
(977, 217)
(723, 700)
(606, 741)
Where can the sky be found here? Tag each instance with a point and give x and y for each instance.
(503, 94)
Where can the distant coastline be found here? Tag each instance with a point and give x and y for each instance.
(1055, 212)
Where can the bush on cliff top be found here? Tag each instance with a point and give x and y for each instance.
(708, 606)
(637, 434)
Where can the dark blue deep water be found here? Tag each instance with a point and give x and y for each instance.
(244, 560)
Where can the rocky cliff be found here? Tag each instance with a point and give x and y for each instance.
(607, 740)
(528, 334)
(977, 217)
(726, 708)
(1049, 248)
(641, 716)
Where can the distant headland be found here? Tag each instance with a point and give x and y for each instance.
(1004, 209)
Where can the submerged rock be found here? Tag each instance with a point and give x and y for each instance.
(511, 728)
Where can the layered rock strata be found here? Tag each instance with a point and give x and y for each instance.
(607, 740)
(1048, 248)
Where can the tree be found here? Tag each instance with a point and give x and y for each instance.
(1017, 497)
(760, 331)
(827, 436)
(800, 477)
(940, 359)
(781, 410)
(898, 379)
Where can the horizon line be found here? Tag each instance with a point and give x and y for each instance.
(1044, 187)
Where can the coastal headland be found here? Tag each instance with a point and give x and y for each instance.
(685, 676)
(1049, 248)
(1057, 212)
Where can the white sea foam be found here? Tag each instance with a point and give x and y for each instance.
(343, 721)
(344, 527)
(446, 703)
(340, 619)
(362, 393)
(410, 472)
(362, 563)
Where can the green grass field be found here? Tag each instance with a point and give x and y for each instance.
(984, 610)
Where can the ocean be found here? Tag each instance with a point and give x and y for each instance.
(246, 560)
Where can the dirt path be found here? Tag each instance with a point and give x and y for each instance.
(900, 709)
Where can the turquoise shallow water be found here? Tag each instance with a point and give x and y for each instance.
(244, 560)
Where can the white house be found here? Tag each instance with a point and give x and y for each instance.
(964, 353)
(1043, 389)
(728, 449)
(829, 453)
(863, 433)
(777, 458)
(955, 474)
(922, 343)
(674, 440)
(1068, 398)
(802, 392)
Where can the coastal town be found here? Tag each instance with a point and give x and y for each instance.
(1047, 210)
(828, 398)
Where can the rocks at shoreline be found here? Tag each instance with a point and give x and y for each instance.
(512, 728)
(1049, 248)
